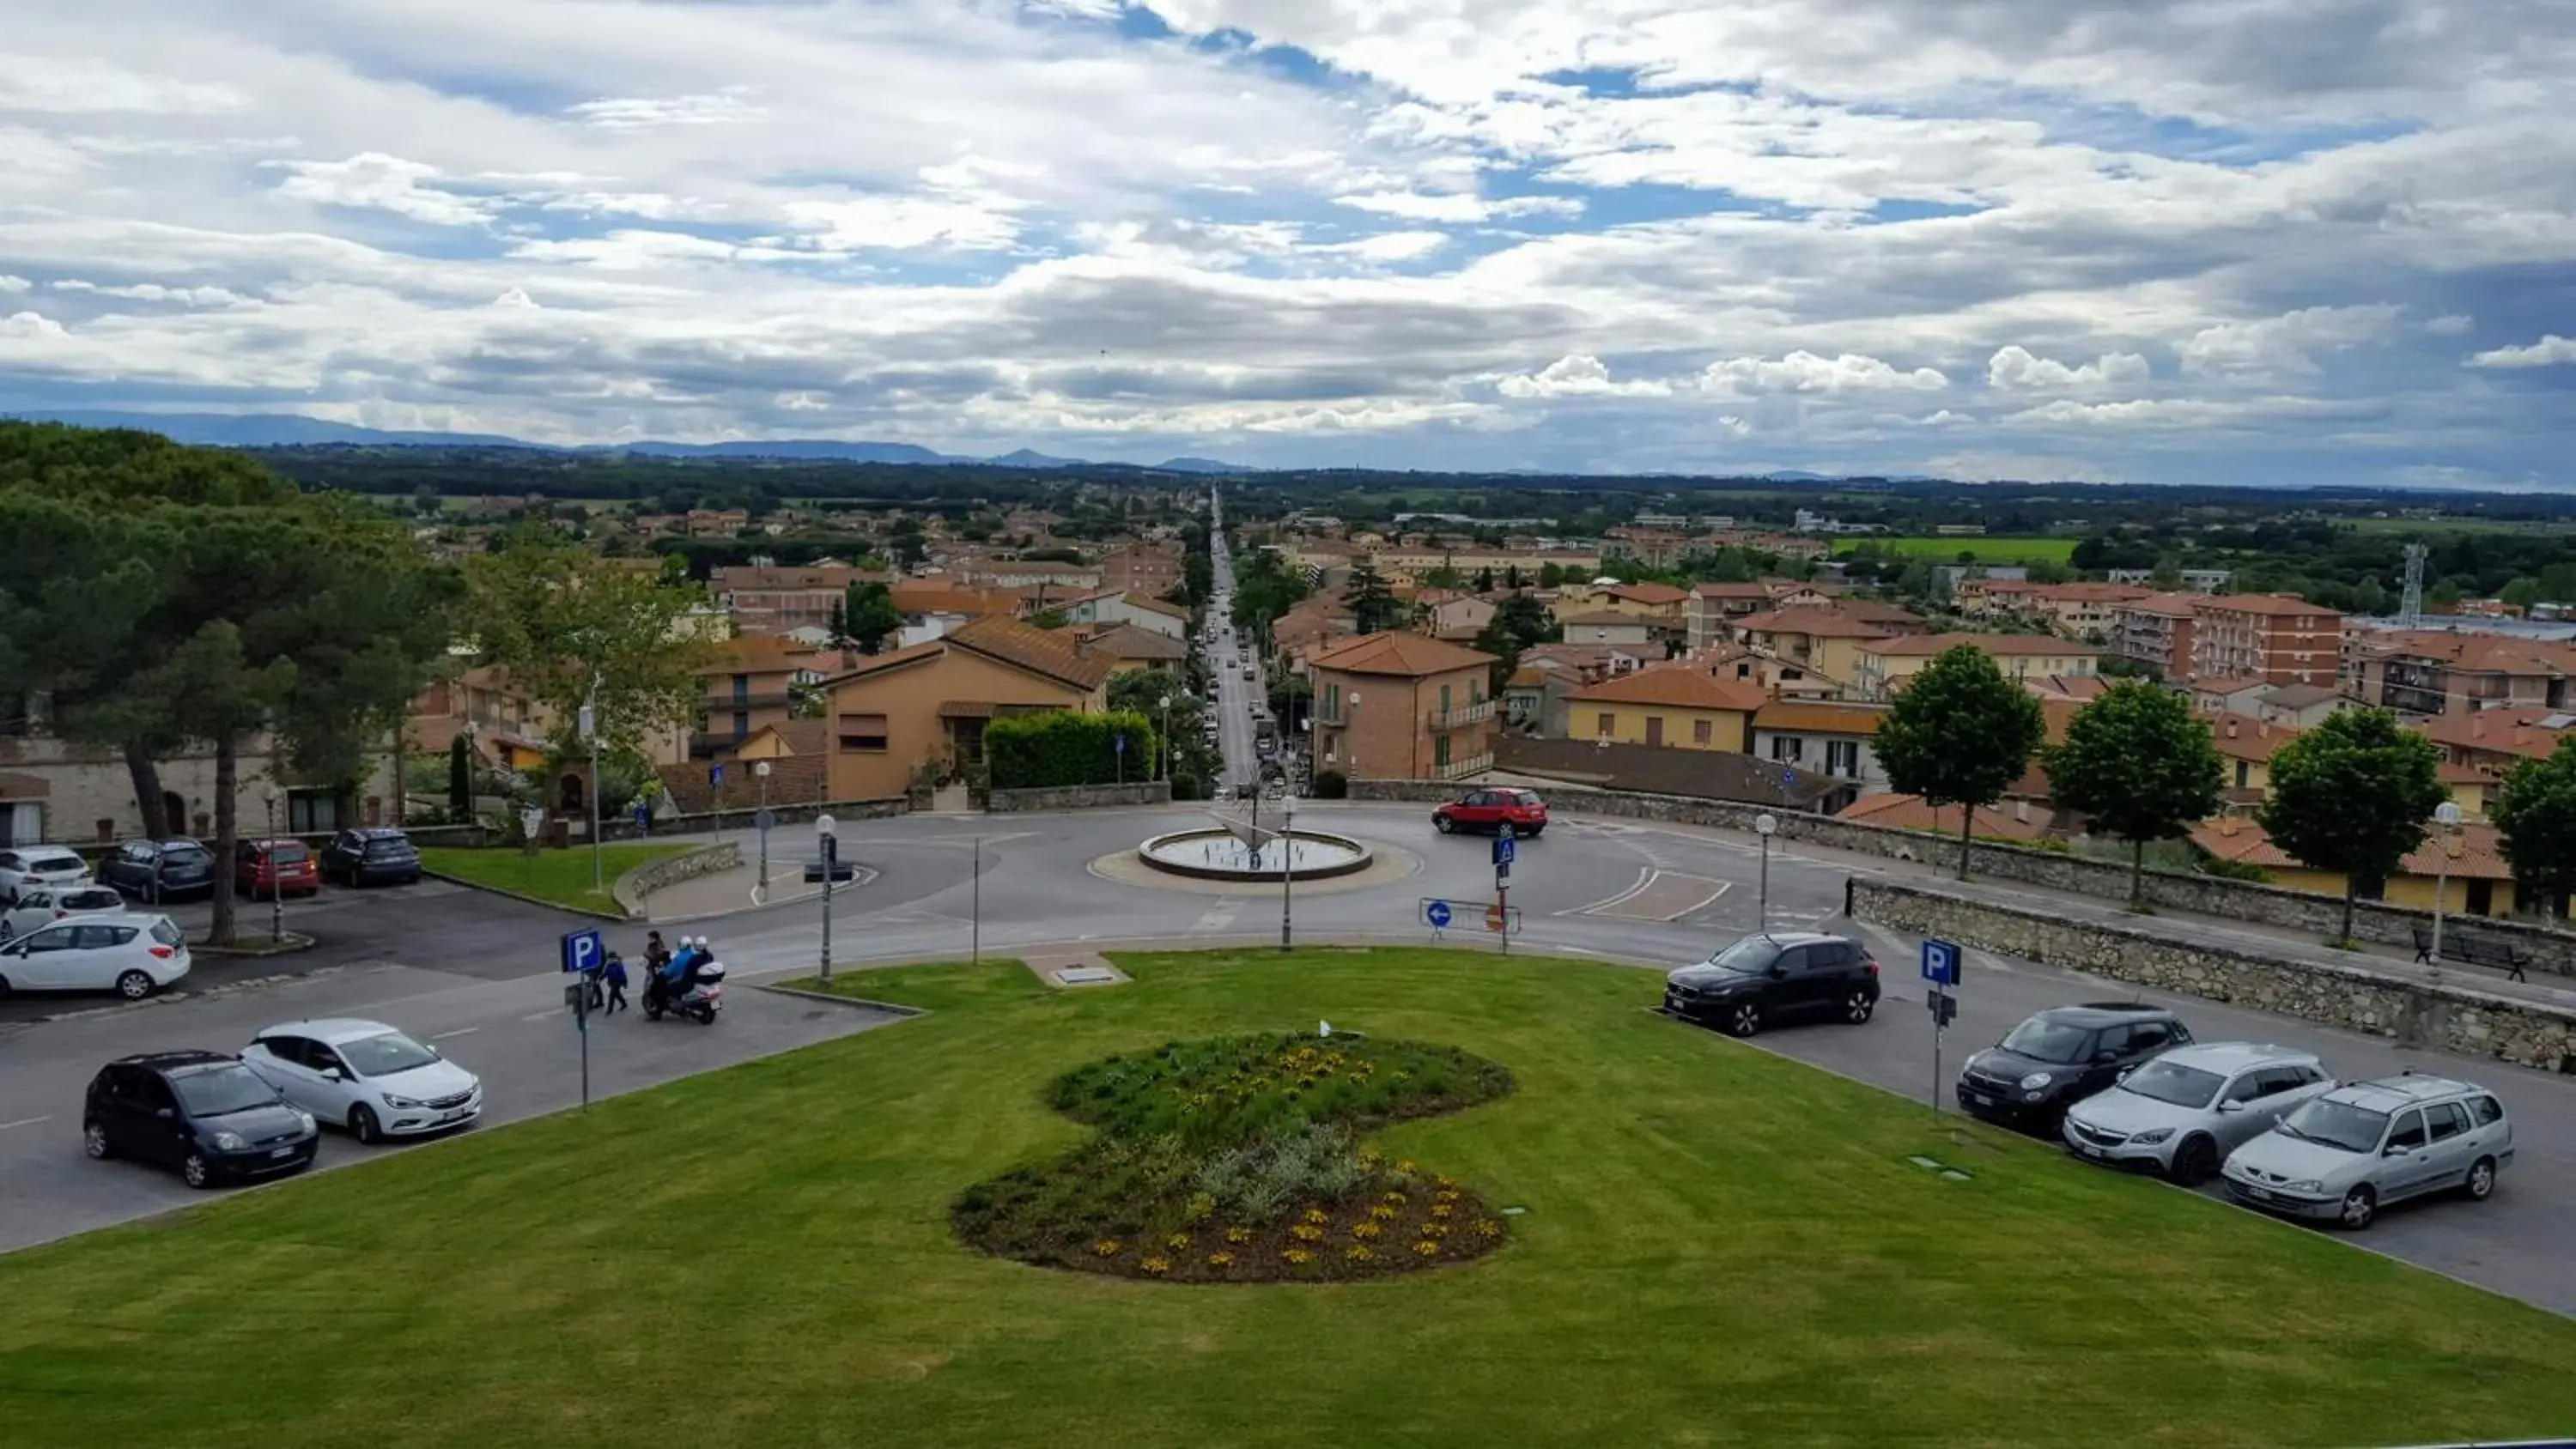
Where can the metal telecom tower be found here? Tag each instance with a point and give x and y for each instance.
(2410, 609)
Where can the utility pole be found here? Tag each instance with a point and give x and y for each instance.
(824, 828)
(590, 732)
(1287, 869)
(760, 888)
(277, 880)
(1764, 825)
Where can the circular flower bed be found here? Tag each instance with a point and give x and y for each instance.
(1238, 1160)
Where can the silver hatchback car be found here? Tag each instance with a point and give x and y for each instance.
(2183, 1112)
(2345, 1155)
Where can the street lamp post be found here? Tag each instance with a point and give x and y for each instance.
(1287, 865)
(1164, 759)
(1764, 825)
(276, 883)
(760, 770)
(824, 828)
(2446, 815)
(590, 732)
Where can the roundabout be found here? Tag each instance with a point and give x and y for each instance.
(1220, 853)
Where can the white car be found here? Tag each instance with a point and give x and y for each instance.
(2345, 1155)
(44, 905)
(129, 954)
(2182, 1113)
(365, 1076)
(22, 866)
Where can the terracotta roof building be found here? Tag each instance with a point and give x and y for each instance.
(1398, 705)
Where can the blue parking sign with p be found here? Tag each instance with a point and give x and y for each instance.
(583, 951)
(1941, 962)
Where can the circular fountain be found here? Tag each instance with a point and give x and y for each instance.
(1216, 853)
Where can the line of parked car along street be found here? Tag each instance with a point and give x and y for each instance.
(2124, 1084)
(65, 928)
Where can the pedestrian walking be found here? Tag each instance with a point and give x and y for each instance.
(616, 982)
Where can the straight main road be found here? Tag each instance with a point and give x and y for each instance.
(1649, 895)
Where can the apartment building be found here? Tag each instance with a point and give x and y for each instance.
(2273, 637)
(2156, 631)
(2440, 673)
(2078, 610)
(766, 599)
(749, 686)
(1828, 641)
(1833, 739)
(1713, 609)
(924, 708)
(1141, 611)
(1670, 705)
(1884, 665)
(1403, 706)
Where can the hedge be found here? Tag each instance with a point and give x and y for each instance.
(1046, 751)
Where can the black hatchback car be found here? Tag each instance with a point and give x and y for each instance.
(375, 855)
(159, 870)
(203, 1113)
(2061, 1056)
(1781, 974)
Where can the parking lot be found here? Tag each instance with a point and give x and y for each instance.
(436, 959)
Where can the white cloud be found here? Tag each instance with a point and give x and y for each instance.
(1578, 375)
(155, 292)
(2452, 324)
(385, 183)
(13, 284)
(2279, 347)
(640, 112)
(91, 85)
(1391, 246)
(30, 324)
(2016, 369)
(2551, 350)
(1457, 206)
(1806, 372)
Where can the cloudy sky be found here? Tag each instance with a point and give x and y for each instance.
(2160, 240)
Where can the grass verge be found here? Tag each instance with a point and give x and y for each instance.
(1988, 549)
(560, 876)
(1719, 1247)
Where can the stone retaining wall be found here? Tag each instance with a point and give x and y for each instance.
(2208, 895)
(1080, 797)
(623, 827)
(2347, 994)
(636, 885)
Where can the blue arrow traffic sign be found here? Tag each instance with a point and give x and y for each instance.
(1940, 962)
(715, 776)
(1504, 849)
(1437, 913)
(583, 951)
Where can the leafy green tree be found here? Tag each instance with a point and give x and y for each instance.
(2139, 765)
(2352, 795)
(1960, 734)
(868, 615)
(1485, 579)
(1519, 622)
(1550, 576)
(1374, 606)
(2520, 592)
(2535, 818)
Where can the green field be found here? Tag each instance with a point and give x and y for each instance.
(1719, 1247)
(560, 876)
(2431, 527)
(1988, 549)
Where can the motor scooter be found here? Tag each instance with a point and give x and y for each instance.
(702, 999)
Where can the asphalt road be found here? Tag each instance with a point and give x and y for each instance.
(1650, 895)
(1235, 695)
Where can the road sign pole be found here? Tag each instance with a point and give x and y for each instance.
(976, 951)
(1503, 904)
(1937, 1014)
(1287, 868)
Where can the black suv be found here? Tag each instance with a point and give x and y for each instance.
(159, 870)
(2061, 1056)
(201, 1112)
(377, 855)
(1779, 974)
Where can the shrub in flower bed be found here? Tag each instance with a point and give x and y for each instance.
(1254, 1141)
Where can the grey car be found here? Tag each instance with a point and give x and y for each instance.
(2343, 1156)
(2183, 1112)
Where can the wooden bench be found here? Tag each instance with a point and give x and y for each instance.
(2473, 950)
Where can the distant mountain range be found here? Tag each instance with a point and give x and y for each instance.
(285, 430)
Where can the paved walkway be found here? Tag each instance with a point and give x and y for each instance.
(729, 890)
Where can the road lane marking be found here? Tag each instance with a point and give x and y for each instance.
(460, 1031)
(1664, 895)
(1645, 877)
(23, 1122)
(542, 1015)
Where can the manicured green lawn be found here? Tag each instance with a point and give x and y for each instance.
(561, 876)
(1720, 1247)
(1996, 549)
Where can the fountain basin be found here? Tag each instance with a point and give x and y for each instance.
(1214, 853)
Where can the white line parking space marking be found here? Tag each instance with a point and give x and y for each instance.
(460, 1031)
(23, 1122)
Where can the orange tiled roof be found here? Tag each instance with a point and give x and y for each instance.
(2520, 730)
(1815, 622)
(1678, 686)
(2244, 737)
(1398, 653)
(2273, 604)
(1908, 812)
(1034, 650)
(1847, 719)
(1653, 594)
(2034, 645)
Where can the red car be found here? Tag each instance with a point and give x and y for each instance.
(1521, 810)
(275, 867)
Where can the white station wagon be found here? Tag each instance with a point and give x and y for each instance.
(2345, 1155)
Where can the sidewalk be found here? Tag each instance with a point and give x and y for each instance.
(726, 891)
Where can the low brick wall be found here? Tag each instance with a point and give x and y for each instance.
(2207, 895)
(1080, 797)
(636, 885)
(623, 827)
(2337, 992)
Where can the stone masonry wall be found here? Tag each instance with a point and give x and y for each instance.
(2207, 895)
(2354, 996)
(1081, 797)
(636, 885)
